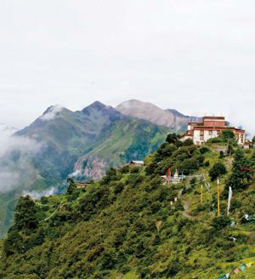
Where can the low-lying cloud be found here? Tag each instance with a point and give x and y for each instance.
(51, 113)
(37, 195)
(16, 169)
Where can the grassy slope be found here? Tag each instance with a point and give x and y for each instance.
(140, 136)
(109, 230)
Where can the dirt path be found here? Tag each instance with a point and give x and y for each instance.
(185, 212)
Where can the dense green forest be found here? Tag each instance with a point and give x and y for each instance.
(133, 224)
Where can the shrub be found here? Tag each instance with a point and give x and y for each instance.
(238, 177)
(118, 188)
(204, 150)
(190, 165)
(193, 181)
(207, 164)
(12, 244)
(217, 170)
(26, 215)
(166, 150)
(134, 169)
(228, 135)
(221, 222)
(124, 169)
(188, 142)
(174, 139)
(72, 186)
(150, 168)
(111, 175)
(221, 155)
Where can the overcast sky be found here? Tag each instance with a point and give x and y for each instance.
(195, 56)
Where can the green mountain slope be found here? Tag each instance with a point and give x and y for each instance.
(129, 139)
(97, 130)
(68, 135)
(132, 224)
(92, 139)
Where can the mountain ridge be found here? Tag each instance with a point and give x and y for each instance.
(95, 138)
(144, 110)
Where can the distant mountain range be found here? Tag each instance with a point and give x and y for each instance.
(170, 118)
(84, 144)
(87, 142)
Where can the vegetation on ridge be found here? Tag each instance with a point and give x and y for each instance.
(132, 224)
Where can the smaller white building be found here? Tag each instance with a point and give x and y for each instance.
(136, 163)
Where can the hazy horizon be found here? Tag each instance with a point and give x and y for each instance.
(192, 56)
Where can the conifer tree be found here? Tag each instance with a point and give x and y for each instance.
(217, 170)
(239, 176)
(72, 186)
(26, 217)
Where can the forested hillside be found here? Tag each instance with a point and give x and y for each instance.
(133, 224)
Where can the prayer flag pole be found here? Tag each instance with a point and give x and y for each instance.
(230, 194)
(201, 194)
(169, 175)
(218, 183)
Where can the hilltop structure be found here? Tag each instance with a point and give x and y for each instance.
(211, 127)
(136, 163)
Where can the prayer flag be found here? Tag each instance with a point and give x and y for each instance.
(242, 267)
(230, 194)
(249, 264)
(169, 175)
(236, 271)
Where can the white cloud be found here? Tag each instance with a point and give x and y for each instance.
(51, 113)
(38, 195)
(16, 169)
(76, 173)
(9, 143)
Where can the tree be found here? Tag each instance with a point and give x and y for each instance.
(204, 149)
(239, 176)
(188, 142)
(111, 175)
(13, 243)
(217, 170)
(230, 150)
(228, 135)
(221, 222)
(26, 215)
(72, 186)
(174, 139)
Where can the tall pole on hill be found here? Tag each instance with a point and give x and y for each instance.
(218, 189)
(230, 194)
(201, 194)
(169, 176)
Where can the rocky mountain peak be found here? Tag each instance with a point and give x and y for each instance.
(95, 106)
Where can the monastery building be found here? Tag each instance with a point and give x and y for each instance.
(211, 127)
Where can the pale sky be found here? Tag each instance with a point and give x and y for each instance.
(194, 56)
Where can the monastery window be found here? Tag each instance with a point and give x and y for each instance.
(201, 135)
(210, 133)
